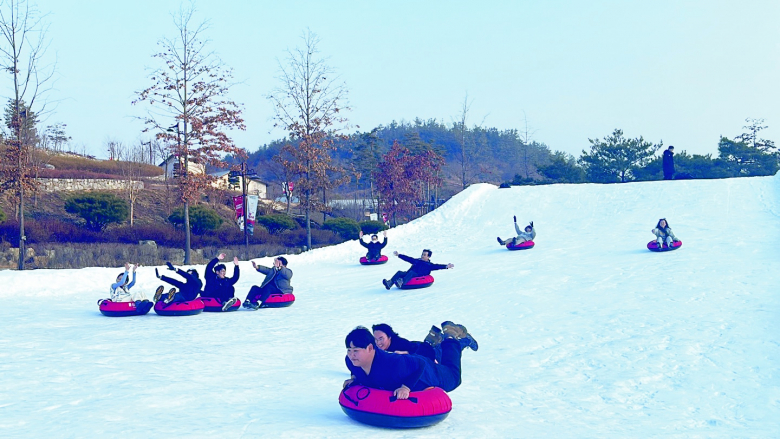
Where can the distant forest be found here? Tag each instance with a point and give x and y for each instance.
(496, 156)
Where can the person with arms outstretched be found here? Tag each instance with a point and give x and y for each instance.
(420, 267)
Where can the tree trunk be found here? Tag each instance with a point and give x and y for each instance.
(187, 232)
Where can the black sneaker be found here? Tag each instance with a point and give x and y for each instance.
(386, 283)
(434, 337)
(500, 241)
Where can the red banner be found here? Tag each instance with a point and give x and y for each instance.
(238, 202)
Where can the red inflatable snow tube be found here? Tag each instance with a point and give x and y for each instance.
(418, 282)
(380, 408)
(525, 245)
(653, 246)
(124, 309)
(278, 300)
(179, 308)
(382, 259)
(210, 304)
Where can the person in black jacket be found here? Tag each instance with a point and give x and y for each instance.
(218, 285)
(669, 163)
(277, 281)
(420, 267)
(374, 247)
(188, 290)
(401, 374)
(388, 340)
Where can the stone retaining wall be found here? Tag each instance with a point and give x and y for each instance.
(84, 184)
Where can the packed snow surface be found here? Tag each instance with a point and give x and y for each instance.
(589, 334)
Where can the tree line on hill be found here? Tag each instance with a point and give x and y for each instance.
(407, 167)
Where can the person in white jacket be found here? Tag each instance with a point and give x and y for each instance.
(120, 291)
(664, 234)
(522, 235)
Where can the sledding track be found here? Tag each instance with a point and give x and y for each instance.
(587, 335)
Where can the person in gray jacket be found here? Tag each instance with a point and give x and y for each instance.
(277, 281)
(664, 234)
(522, 236)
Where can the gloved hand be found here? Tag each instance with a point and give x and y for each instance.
(515, 218)
(170, 266)
(532, 224)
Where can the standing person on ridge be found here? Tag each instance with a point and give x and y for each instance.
(668, 163)
(420, 267)
(374, 247)
(522, 236)
(217, 285)
(277, 281)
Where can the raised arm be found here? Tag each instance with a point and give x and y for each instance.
(406, 258)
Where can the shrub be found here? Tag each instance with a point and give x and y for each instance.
(347, 228)
(98, 209)
(276, 223)
(372, 227)
(202, 219)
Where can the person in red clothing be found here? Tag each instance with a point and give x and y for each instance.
(420, 267)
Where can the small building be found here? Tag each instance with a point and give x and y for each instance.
(255, 186)
(172, 164)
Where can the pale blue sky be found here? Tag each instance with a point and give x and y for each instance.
(683, 72)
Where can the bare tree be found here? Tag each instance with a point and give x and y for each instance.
(526, 136)
(22, 52)
(463, 140)
(131, 163)
(190, 90)
(309, 103)
(114, 148)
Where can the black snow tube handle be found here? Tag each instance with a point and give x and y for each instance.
(411, 398)
(360, 396)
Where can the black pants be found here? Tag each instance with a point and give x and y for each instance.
(372, 256)
(405, 275)
(258, 294)
(185, 293)
(449, 367)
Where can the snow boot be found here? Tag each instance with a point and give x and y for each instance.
(434, 336)
(500, 241)
(459, 332)
(386, 283)
(252, 306)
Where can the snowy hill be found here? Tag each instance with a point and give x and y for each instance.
(587, 335)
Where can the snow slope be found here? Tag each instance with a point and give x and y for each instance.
(587, 335)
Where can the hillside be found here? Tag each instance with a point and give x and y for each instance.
(586, 335)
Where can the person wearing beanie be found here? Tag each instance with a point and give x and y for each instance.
(522, 235)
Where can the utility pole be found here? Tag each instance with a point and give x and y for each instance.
(244, 172)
